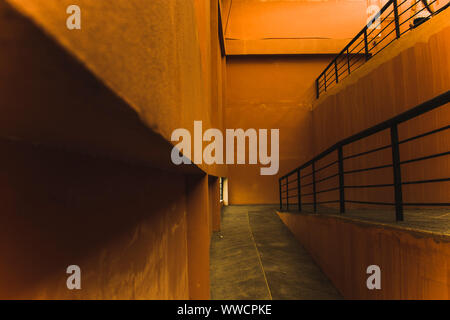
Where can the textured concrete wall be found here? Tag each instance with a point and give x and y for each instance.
(413, 265)
(410, 71)
(125, 226)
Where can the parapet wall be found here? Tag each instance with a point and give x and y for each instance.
(414, 265)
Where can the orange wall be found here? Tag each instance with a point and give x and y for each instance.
(254, 19)
(124, 225)
(152, 76)
(410, 71)
(413, 266)
(269, 92)
(199, 232)
(214, 203)
(86, 179)
(291, 27)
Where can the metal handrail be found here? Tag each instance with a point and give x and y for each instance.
(349, 58)
(392, 124)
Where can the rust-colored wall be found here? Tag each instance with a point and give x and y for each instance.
(214, 202)
(155, 55)
(270, 92)
(125, 226)
(410, 71)
(413, 266)
(254, 19)
(290, 27)
(198, 236)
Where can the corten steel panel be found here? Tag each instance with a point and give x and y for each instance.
(198, 236)
(154, 55)
(414, 265)
(270, 93)
(125, 226)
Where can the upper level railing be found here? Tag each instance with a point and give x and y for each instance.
(292, 186)
(396, 18)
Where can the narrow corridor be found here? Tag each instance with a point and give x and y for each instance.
(255, 256)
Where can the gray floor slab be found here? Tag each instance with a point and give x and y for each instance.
(255, 256)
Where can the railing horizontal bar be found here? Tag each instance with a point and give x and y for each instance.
(407, 9)
(370, 186)
(327, 166)
(284, 198)
(382, 39)
(330, 201)
(307, 185)
(424, 134)
(426, 158)
(405, 116)
(372, 202)
(426, 181)
(367, 152)
(328, 190)
(345, 72)
(327, 178)
(305, 176)
(432, 204)
(385, 27)
(307, 194)
(368, 169)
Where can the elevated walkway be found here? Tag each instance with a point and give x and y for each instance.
(413, 255)
(435, 222)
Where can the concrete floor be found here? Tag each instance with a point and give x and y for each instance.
(256, 257)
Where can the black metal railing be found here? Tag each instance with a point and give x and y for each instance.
(396, 18)
(292, 184)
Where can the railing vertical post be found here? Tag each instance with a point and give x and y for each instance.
(341, 180)
(299, 192)
(336, 70)
(348, 61)
(325, 80)
(314, 185)
(396, 19)
(317, 88)
(287, 193)
(281, 194)
(366, 44)
(397, 173)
